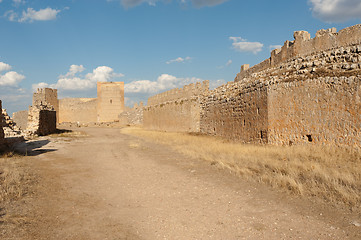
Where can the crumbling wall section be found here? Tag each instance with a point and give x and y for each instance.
(303, 46)
(41, 121)
(176, 110)
(133, 116)
(21, 119)
(82, 110)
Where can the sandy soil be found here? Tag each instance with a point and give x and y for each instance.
(107, 185)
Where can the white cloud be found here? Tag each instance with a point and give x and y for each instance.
(207, 3)
(272, 47)
(336, 10)
(31, 15)
(39, 85)
(179, 60)
(11, 79)
(74, 69)
(195, 3)
(228, 63)
(242, 45)
(18, 2)
(71, 82)
(163, 82)
(4, 67)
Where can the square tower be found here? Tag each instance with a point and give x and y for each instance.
(110, 102)
(47, 97)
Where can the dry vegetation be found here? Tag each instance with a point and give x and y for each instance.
(329, 173)
(13, 178)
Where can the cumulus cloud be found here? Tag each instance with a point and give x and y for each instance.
(4, 67)
(195, 3)
(163, 82)
(11, 79)
(39, 85)
(179, 60)
(243, 45)
(31, 15)
(336, 10)
(72, 81)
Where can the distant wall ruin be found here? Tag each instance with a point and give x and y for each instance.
(133, 116)
(105, 108)
(82, 110)
(177, 109)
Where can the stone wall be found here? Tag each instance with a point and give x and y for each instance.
(322, 110)
(236, 112)
(303, 46)
(177, 109)
(314, 98)
(307, 92)
(82, 110)
(47, 96)
(21, 119)
(110, 101)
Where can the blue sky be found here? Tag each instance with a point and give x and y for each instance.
(151, 45)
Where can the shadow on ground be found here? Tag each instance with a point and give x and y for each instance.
(32, 148)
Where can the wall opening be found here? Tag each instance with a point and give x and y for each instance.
(111, 101)
(309, 137)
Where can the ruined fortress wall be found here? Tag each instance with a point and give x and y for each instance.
(1, 127)
(176, 110)
(47, 96)
(110, 102)
(324, 110)
(82, 110)
(303, 46)
(21, 119)
(236, 112)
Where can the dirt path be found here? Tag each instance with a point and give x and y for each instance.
(113, 186)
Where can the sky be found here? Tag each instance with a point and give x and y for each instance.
(150, 45)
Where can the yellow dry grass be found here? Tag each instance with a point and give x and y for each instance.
(329, 173)
(13, 178)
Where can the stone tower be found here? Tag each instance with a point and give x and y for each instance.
(47, 96)
(110, 102)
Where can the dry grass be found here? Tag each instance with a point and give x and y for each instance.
(329, 173)
(13, 178)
